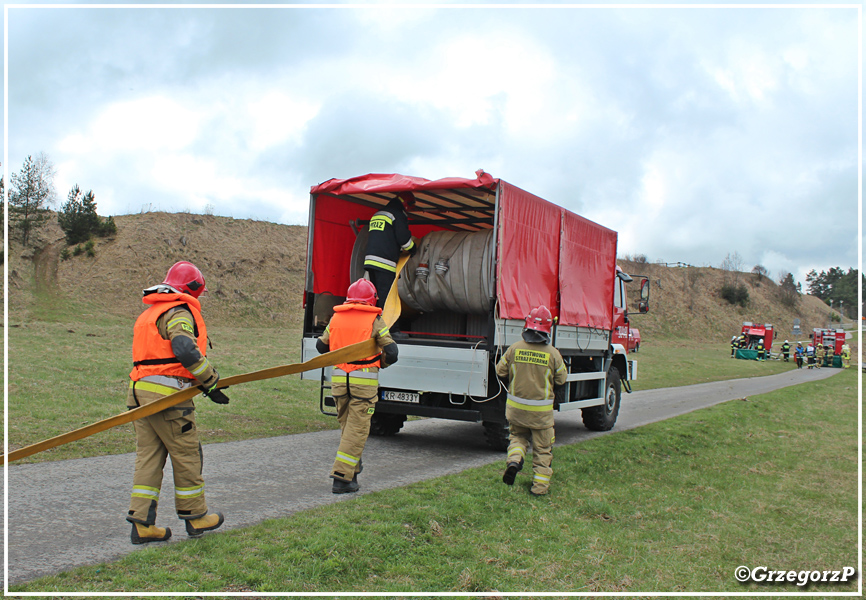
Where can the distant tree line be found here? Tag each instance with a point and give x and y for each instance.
(836, 287)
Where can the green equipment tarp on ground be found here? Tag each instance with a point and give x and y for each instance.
(747, 354)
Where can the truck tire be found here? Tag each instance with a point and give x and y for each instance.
(637, 347)
(383, 424)
(603, 418)
(496, 435)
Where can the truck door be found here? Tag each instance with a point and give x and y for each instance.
(620, 322)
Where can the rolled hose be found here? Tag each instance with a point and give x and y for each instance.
(452, 270)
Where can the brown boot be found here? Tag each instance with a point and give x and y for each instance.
(196, 527)
(144, 534)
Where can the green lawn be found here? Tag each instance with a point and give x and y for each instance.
(72, 369)
(679, 362)
(671, 507)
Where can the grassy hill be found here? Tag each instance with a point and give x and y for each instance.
(254, 270)
(255, 274)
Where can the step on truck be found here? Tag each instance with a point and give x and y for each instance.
(488, 252)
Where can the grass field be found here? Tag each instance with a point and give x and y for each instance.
(69, 367)
(671, 507)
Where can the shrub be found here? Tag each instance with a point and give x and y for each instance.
(78, 250)
(65, 254)
(88, 249)
(735, 294)
(107, 227)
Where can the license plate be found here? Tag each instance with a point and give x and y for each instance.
(401, 396)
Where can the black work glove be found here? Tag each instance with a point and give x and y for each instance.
(216, 395)
(413, 250)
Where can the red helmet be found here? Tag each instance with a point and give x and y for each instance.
(186, 278)
(539, 319)
(362, 291)
(408, 200)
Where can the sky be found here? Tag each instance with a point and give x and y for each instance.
(693, 131)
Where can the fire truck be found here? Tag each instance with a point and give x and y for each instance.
(754, 332)
(834, 338)
(488, 253)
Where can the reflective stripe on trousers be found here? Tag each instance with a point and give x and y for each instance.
(525, 404)
(359, 377)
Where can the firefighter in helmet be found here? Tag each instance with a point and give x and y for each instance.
(829, 352)
(389, 235)
(169, 348)
(786, 350)
(819, 355)
(355, 385)
(532, 368)
(799, 352)
(760, 348)
(846, 355)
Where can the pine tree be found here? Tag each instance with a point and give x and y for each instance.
(31, 192)
(77, 217)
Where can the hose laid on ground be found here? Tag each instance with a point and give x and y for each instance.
(349, 353)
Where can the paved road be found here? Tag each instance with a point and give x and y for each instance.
(254, 480)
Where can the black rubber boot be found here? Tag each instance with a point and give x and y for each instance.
(511, 471)
(345, 487)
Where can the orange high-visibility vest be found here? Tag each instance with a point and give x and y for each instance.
(353, 323)
(151, 353)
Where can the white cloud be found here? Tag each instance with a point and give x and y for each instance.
(148, 124)
(276, 118)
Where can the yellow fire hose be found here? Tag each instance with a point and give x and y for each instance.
(354, 352)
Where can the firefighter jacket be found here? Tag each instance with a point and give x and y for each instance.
(156, 370)
(532, 371)
(786, 348)
(389, 234)
(353, 323)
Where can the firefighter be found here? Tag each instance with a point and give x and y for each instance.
(846, 355)
(786, 350)
(760, 348)
(819, 355)
(355, 385)
(389, 235)
(829, 353)
(798, 355)
(169, 349)
(735, 342)
(810, 356)
(533, 368)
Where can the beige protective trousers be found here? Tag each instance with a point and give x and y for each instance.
(541, 440)
(355, 408)
(171, 432)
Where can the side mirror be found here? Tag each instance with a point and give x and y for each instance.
(643, 303)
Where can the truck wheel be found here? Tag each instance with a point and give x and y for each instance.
(496, 435)
(603, 418)
(385, 424)
(636, 347)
